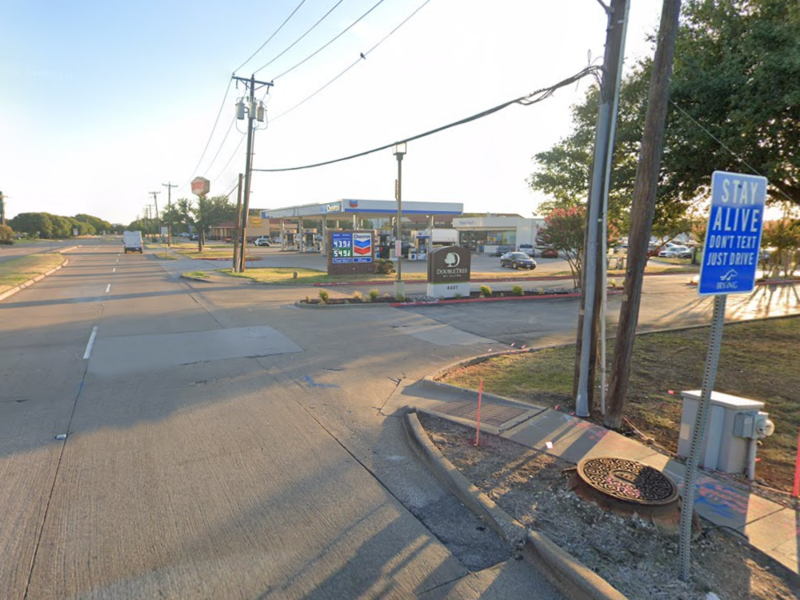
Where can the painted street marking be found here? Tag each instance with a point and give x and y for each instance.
(88, 352)
(108, 289)
(114, 270)
(312, 383)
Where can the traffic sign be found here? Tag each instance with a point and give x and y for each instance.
(200, 186)
(733, 236)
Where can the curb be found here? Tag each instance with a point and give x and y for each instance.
(300, 304)
(30, 282)
(478, 280)
(508, 528)
(498, 299)
(561, 569)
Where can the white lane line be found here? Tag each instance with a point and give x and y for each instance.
(114, 270)
(90, 344)
(108, 289)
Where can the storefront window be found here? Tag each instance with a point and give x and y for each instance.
(475, 239)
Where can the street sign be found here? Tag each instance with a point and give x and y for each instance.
(733, 236)
(200, 186)
(164, 231)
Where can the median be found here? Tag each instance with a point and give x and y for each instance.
(18, 273)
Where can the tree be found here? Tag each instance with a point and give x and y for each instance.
(564, 231)
(209, 212)
(97, 223)
(782, 237)
(33, 224)
(6, 233)
(736, 85)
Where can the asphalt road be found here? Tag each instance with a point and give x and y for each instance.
(223, 443)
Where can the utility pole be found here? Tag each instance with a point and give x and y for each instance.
(2, 209)
(254, 112)
(642, 209)
(586, 347)
(155, 202)
(237, 246)
(169, 185)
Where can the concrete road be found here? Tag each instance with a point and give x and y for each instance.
(221, 444)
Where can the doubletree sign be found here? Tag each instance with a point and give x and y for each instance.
(448, 272)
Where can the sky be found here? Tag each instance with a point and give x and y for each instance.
(103, 102)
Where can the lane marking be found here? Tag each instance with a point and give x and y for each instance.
(114, 270)
(90, 344)
(108, 289)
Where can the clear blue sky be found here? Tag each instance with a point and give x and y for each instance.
(103, 102)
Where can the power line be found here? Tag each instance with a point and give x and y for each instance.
(235, 150)
(721, 143)
(340, 34)
(211, 135)
(222, 144)
(300, 38)
(361, 57)
(261, 47)
(532, 98)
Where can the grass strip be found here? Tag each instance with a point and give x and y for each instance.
(758, 361)
(18, 270)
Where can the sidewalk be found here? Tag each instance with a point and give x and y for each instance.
(771, 528)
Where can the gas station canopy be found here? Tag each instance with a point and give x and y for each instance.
(385, 208)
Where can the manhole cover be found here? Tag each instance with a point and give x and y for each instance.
(627, 480)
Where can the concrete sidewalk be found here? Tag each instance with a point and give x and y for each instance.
(771, 528)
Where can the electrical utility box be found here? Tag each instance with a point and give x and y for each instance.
(732, 423)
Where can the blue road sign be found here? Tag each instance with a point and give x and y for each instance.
(733, 237)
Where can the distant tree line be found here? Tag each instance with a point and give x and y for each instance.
(47, 226)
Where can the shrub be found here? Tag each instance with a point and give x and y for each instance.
(358, 296)
(400, 298)
(384, 266)
(517, 290)
(373, 295)
(486, 291)
(324, 296)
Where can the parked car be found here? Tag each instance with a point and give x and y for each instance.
(672, 251)
(527, 249)
(262, 241)
(503, 250)
(184, 234)
(549, 253)
(517, 260)
(194, 237)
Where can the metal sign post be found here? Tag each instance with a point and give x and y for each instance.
(730, 258)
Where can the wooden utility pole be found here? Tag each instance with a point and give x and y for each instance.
(643, 209)
(586, 345)
(237, 245)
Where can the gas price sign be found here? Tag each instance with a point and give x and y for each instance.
(341, 248)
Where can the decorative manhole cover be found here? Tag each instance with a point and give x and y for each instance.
(628, 480)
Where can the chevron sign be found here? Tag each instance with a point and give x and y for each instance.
(362, 247)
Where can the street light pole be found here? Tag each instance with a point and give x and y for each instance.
(399, 152)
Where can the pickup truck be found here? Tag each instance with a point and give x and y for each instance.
(132, 240)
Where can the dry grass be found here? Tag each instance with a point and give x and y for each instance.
(17, 270)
